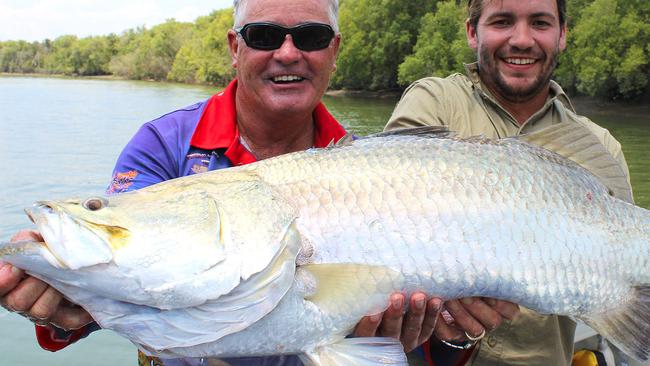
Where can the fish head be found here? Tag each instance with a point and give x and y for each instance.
(175, 244)
(130, 228)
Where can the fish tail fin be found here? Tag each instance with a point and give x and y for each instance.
(628, 327)
(358, 352)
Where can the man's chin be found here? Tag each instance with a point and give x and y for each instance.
(519, 89)
(290, 106)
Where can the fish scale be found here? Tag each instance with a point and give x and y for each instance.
(399, 212)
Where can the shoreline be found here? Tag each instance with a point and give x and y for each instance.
(637, 108)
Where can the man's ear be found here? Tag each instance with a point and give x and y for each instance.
(233, 47)
(472, 37)
(563, 35)
(336, 42)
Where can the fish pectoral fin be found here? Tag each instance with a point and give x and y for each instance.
(358, 352)
(628, 327)
(351, 289)
(578, 144)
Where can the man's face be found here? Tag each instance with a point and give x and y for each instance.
(287, 80)
(518, 43)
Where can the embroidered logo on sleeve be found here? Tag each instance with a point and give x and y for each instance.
(121, 182)
(203, 161)
(199, 168)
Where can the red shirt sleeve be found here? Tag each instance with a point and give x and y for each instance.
(53, 339)
(437, 354)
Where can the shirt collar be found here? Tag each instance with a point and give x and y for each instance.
(217, 127)
(556, 92)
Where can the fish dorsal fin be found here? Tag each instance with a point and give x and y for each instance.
(578, 144)
(429, 131)
(346, 140)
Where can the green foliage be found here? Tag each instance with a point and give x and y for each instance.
(441, 48)
(205, 57)
(609, 49)
(20, 57)
(150, 54)
(377, 36)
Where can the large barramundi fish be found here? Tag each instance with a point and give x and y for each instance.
(284, 256)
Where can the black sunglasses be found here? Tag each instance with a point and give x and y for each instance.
(269, 36)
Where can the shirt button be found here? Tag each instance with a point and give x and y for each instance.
(492, 341)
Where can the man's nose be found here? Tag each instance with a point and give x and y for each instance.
(288, 52)
(522, 36)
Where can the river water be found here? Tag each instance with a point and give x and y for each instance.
(60, 138)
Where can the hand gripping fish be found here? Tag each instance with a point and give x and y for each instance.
(284, 256)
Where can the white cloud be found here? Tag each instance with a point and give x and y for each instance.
(35, 20)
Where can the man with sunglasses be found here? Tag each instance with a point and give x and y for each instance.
(507, 92)
(284, 52)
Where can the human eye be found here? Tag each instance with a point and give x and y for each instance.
(500, 22)
(542, 24)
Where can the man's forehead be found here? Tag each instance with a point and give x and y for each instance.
(520, 7)
(286, 12)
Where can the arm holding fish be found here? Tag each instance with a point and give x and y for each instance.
(59, 322)
(471, 316)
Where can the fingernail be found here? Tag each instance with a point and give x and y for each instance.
(397, 302)
(419, 302)
(436, 304)
(375, 318)
(467, 300)
(490, 301)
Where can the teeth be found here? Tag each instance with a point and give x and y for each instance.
(520, 61)
(287, 78)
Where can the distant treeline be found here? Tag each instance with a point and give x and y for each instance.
(386, 45)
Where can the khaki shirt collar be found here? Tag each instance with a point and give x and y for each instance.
(556, 92)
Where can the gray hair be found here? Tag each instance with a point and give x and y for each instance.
(240, 7)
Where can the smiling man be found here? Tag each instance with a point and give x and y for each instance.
(507, 92)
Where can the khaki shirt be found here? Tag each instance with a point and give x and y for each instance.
(465, 106)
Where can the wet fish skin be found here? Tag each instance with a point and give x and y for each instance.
(447, 216)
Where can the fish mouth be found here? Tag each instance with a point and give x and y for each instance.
(72, 242)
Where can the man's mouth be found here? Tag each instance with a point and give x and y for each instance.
(520, 60)
(286, 79)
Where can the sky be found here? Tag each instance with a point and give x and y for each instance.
(36, 20)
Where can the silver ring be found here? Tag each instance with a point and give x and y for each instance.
(463, 345)
(477, 338)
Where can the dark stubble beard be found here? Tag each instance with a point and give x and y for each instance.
(509, 92)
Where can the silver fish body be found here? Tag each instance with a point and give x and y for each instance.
(284, 256)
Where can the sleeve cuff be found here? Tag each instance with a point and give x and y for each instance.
(53, 339)
(436, 353)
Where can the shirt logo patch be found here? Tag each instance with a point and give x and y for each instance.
(121, 182)
(198, 168)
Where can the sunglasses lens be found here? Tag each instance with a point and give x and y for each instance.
(307, 37)
(313, 37)
(263, 36)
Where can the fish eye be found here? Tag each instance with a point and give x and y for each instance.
(95, 203)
